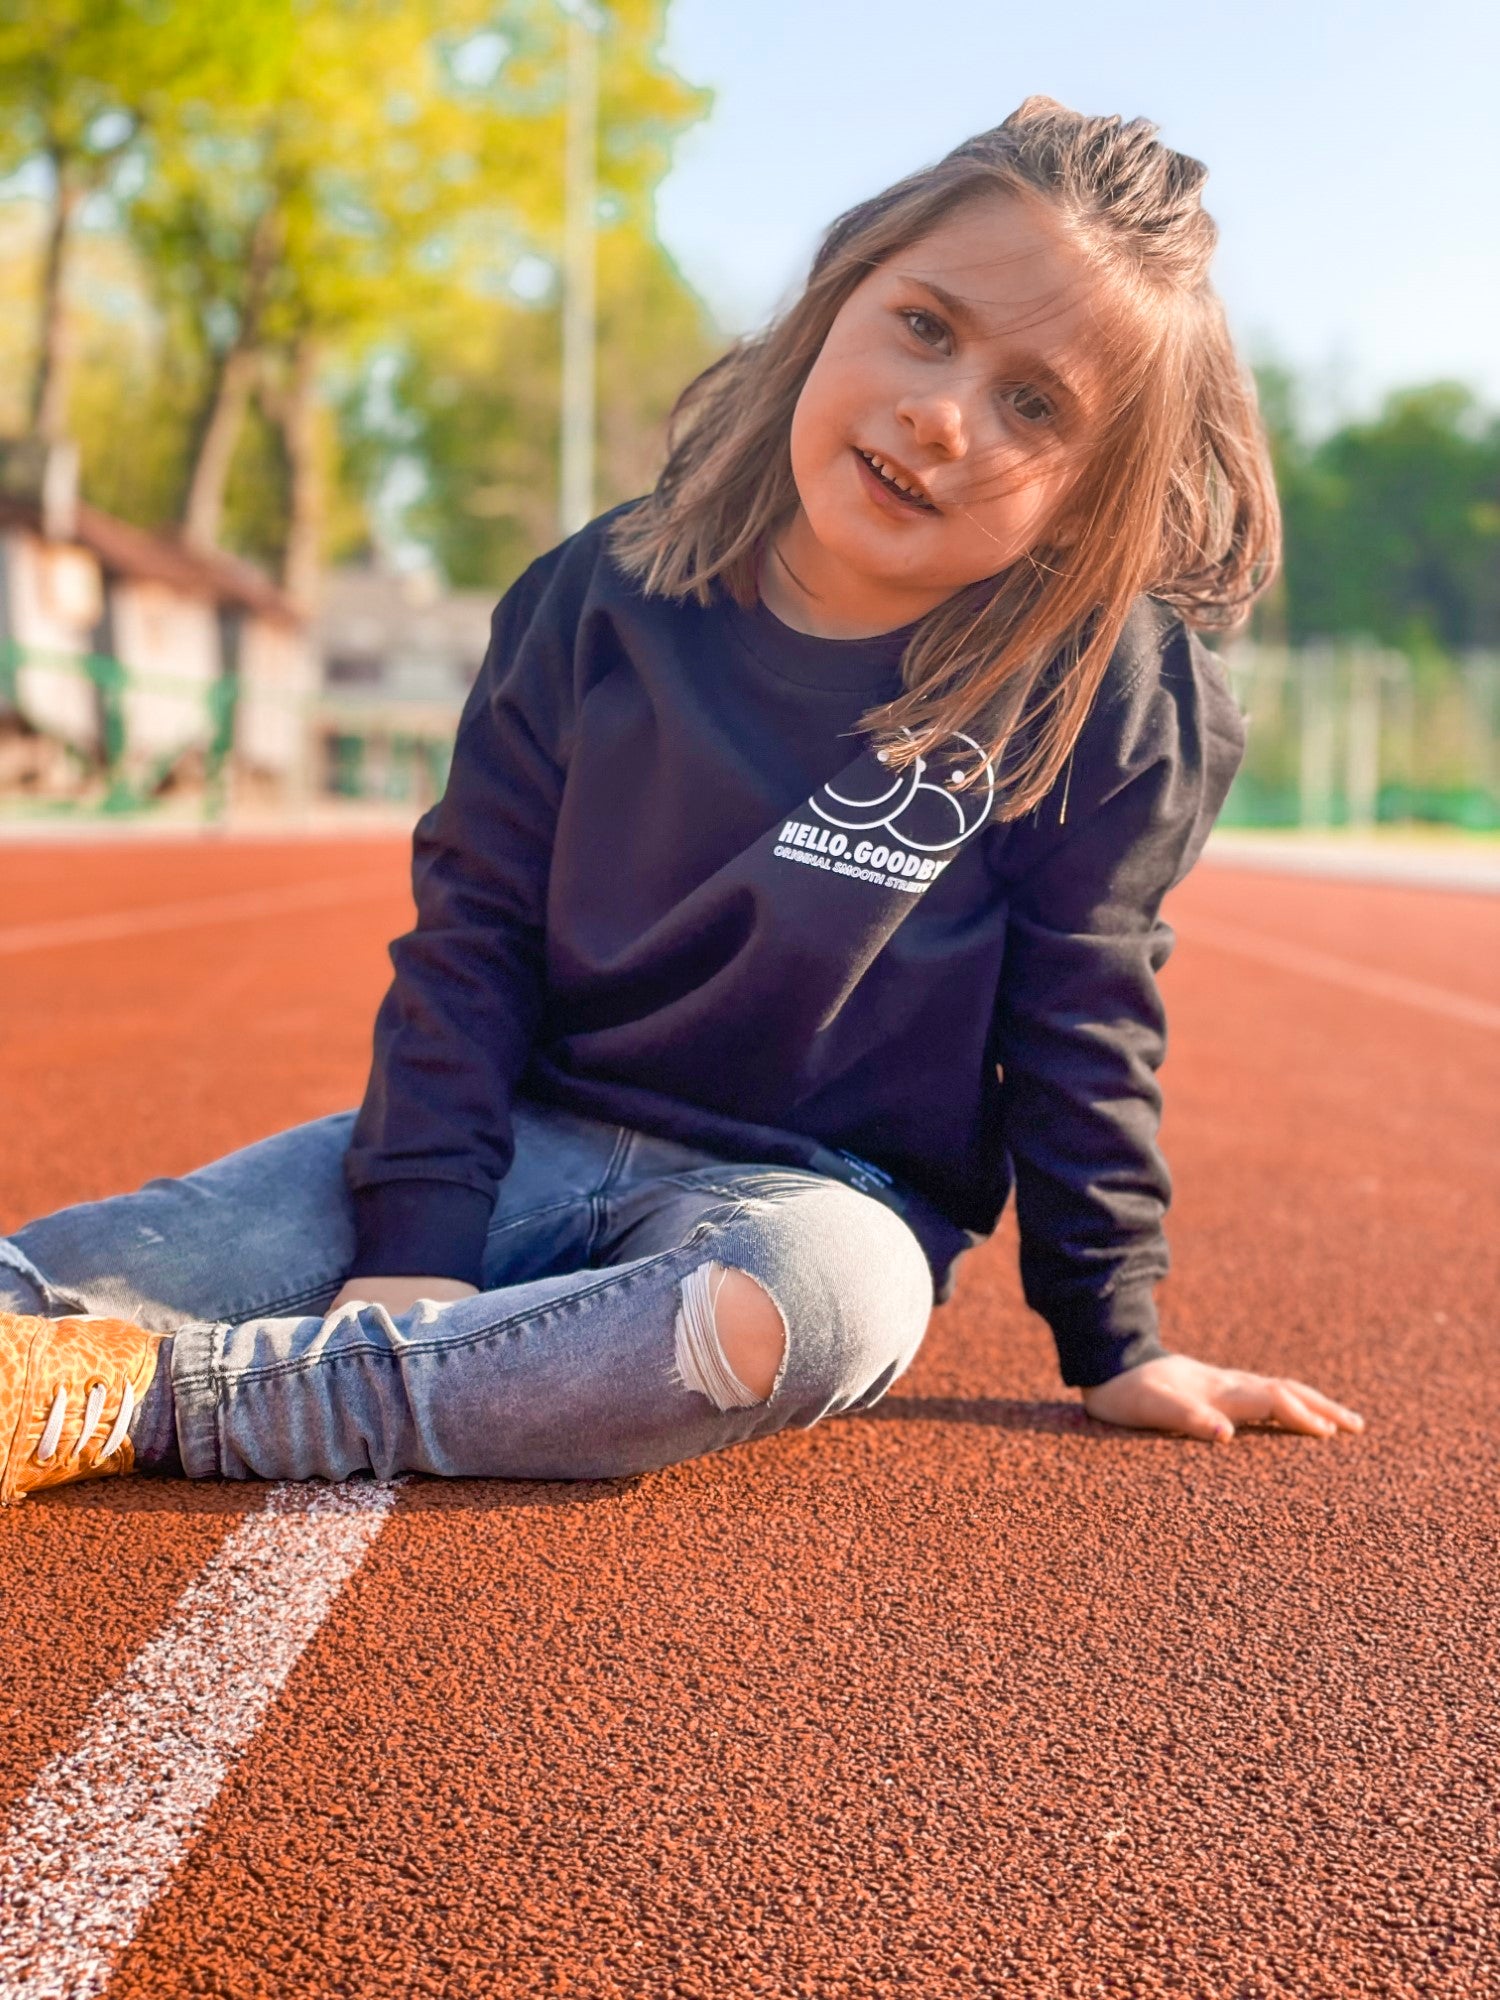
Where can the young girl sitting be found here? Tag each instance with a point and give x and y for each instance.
(795, 893)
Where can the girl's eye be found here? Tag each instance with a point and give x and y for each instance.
(1032, 406)
(913, 313)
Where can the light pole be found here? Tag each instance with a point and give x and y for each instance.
(576, 478)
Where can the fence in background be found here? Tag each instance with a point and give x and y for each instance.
(81, 736)
(1356, 735)
(1339, 735)
(83, 731)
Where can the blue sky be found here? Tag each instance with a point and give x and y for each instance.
(1353, 153)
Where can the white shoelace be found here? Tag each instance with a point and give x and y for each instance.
(92, 1411)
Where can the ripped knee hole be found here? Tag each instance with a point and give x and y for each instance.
(731, 1337)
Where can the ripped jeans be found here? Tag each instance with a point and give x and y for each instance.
(590, 1351)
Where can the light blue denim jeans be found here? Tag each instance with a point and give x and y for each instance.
(575, 1360)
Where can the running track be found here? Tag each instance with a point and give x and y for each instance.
(964, 1696)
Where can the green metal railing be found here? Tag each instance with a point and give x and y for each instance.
(130, 784)
(372, 751)
(1344, 735)
(1354, 735)
(412, 763)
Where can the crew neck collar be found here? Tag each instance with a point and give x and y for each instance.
(812, 661)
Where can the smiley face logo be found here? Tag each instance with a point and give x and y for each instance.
(931, 806)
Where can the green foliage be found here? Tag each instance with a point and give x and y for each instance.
(81, 80)
(1392, 525)
(352, 174)
(476, 407)
(131, 415)
(360, 179)
(259, 491)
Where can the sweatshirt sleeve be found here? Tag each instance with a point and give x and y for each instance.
(1081, 1030)
(433, 1140)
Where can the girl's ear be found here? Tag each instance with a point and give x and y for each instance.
(1066, 528)
(1060, 537)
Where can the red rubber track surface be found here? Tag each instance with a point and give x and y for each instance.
(966, 1695)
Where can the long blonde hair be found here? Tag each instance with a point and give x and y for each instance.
(1176, 498)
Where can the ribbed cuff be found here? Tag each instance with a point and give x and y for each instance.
(1100, 1338)
(420, 1229)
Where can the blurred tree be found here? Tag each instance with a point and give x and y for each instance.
(81, 82)
(265, 221)
(1280, 413)
(474, 407)
(1392, 525)
(303, 183)
(410, 157)
(135, 385)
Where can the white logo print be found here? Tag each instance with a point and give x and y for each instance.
(924, 814)
(930, 817)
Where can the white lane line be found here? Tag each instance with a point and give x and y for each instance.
(58, 931)
(90, 1846)
(1343, 972)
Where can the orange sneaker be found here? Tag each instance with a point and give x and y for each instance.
(68, 1388)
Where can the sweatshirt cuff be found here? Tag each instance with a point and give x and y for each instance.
(1098, 1338)
(420, 1229)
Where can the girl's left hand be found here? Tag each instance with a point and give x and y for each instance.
(1176, 1393)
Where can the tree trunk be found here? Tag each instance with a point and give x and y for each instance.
(219, 432)
(222, 417)
(302, 428)
(54, 365)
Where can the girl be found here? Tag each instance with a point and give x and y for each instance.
(795, 893)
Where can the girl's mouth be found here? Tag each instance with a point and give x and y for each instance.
(887, 489)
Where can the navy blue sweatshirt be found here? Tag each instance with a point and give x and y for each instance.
(670, 884)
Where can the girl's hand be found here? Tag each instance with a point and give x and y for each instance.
(397, 1294)
(1176, 1393)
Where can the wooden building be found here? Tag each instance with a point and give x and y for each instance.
(130, 661)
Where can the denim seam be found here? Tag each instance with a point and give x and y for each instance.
(617, 1158)
(219, 1377)
(740, 1189)
(616, 1275)
(530, 1215)
(15, 1259)
(279, 1306)
(598, 1202)
(213, 1379)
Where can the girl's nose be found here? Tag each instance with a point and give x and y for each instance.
(936, 422)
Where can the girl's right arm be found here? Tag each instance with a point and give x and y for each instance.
(1082, 1033)
(433, 1139)
(1080, 1025)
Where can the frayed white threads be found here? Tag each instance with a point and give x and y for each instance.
(700, 1358)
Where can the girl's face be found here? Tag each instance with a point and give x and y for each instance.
(963, 363)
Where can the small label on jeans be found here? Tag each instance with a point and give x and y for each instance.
(856, 1173)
